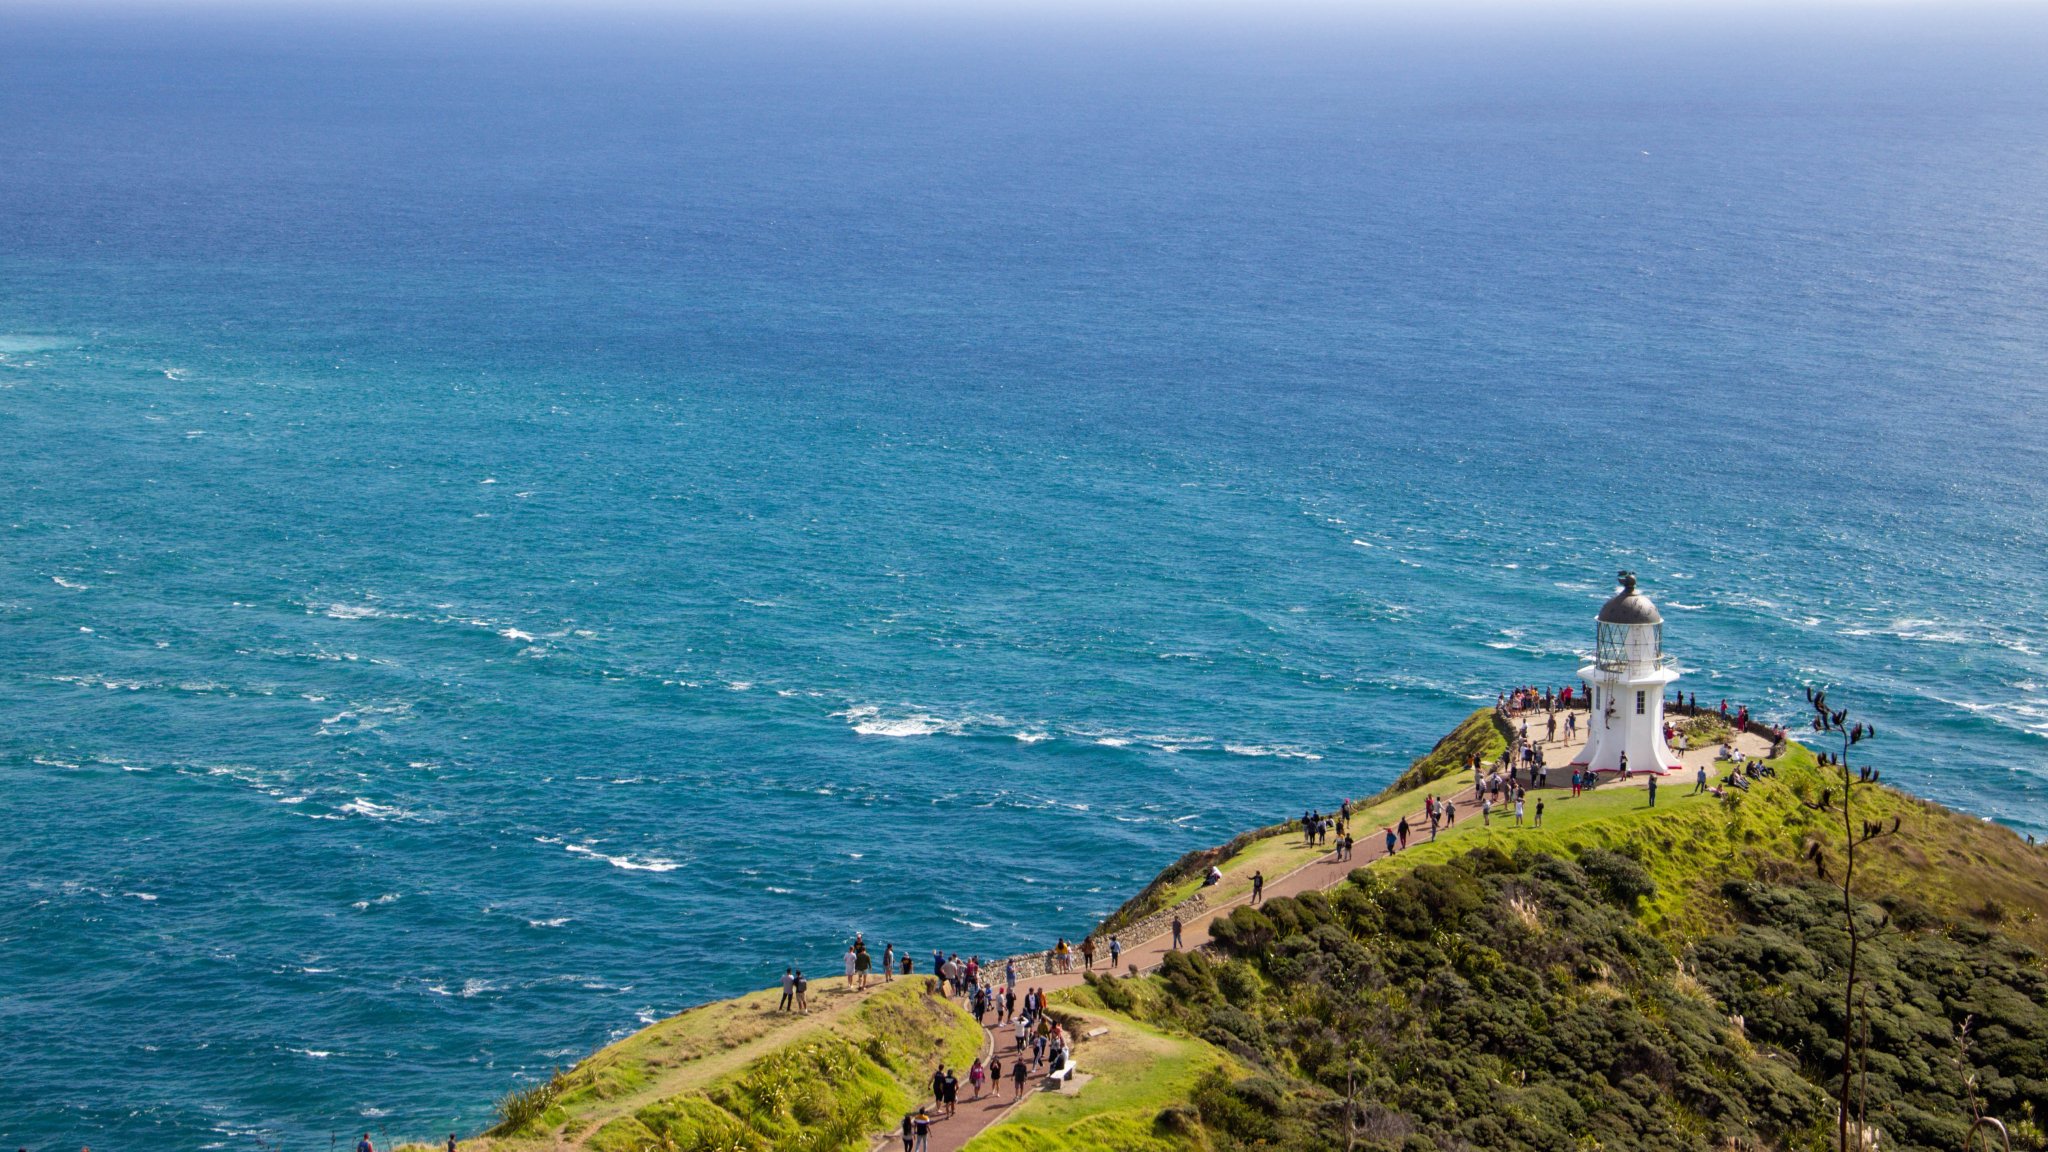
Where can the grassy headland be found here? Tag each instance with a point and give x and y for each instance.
(739, 1076)
(1624, 977)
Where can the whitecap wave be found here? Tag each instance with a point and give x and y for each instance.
(651, 864)
(361, 806)
(867, 720)
(1278, 751)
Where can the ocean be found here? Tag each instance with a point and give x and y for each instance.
(518, 525)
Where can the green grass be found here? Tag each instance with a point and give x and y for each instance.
(1137, 1071)
(1952, 863)
(738, 1075)
(1279, 849)
(1481, 734)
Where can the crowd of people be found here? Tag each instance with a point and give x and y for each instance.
(1040, 1044)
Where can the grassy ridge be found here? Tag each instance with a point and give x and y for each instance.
(1957, 866)
(1278, 848)
(1482, 734)
(740, 1077)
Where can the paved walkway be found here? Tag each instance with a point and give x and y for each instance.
(1323, 873)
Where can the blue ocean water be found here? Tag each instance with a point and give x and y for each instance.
(514, 527)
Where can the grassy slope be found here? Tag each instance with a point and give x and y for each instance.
(1481, 734)
(727, 1070)
(1281, 852)
(1279, 849)
(1692, 844)
(1137, 1071)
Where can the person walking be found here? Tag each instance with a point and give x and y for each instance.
(1390, 841)
(788, 990)
(1450, 814)
(939, 1088)
(803, 988)
(952, 1093)
(1402, 828)
(1116, 952)
(1258, 886)
(850, 960)
(1088, 953)
(1017, 1074)
(862, 964)
(1176, 933)
(921, 1124)
(909, 1133)
(995, 1076)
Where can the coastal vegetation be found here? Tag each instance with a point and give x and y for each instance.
(739, 1076)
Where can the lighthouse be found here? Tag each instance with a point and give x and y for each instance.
(1627, 676)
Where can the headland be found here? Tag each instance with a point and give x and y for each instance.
(1612, 966)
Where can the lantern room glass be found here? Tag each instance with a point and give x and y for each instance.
(1624, 645)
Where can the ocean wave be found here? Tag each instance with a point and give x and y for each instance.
(361, 806)
(74, 585)
(1281, 751)
(362, 718)
(550, 922)
(867, 720)
(651, 864)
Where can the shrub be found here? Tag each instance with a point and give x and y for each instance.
(1620, 880)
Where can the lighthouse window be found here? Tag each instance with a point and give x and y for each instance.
(1639, 703)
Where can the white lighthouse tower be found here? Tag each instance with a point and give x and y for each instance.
(1628, 675)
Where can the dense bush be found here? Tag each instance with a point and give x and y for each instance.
(1780, 970)
(1517, 1003)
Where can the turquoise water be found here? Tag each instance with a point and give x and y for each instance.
(513, 531)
